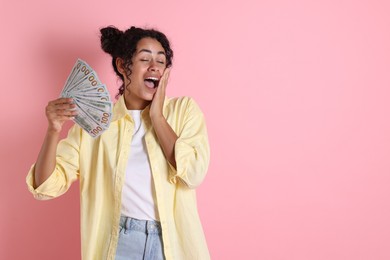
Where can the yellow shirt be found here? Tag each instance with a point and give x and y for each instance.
(100, 166)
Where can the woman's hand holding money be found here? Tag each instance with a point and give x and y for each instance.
(58, 112)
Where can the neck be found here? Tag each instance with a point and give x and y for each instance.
(135, 104)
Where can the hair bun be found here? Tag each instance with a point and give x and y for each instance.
(109, 39)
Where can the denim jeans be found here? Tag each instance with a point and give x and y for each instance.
(139, 240)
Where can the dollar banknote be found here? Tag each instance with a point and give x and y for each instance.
(91, 97)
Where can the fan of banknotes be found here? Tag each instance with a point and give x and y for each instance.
(91, 97)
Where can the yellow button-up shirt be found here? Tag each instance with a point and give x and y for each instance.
(100, 166)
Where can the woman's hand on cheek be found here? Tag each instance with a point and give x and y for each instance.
(156, 108)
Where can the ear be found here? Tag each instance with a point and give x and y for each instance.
(119, 66)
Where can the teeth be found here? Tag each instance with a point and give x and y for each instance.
(152, 78)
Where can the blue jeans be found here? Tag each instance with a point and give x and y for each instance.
(139, 240)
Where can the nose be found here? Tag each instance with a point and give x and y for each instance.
(153, 66)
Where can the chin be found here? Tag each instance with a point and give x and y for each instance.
(148, 96)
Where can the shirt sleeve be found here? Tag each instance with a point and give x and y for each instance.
(192, 151)
(66, 170)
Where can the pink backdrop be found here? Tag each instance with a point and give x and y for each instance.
(296, 97)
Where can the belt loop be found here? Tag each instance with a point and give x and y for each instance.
(148, 227)
(127, 224)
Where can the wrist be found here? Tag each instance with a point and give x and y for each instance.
(157, 117)
(52, 131)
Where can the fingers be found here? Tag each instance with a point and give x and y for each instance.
(61, 109)
(164, 79)
(158, 98)
(166, 72)
(61, 101)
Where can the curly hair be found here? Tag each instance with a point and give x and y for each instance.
(123, 44)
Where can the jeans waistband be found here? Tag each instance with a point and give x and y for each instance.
(145, 226)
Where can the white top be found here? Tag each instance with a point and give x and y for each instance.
(138, 193)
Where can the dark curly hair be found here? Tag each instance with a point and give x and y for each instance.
(123, 45)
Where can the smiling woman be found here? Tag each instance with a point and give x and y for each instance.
(121, 45)
(140, 174)
(148, 65)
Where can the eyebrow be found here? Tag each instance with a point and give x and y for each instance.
(149, 51)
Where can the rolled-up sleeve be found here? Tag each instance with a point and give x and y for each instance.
(192, 151)
(66, 170)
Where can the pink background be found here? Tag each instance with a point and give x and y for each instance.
(296, 97)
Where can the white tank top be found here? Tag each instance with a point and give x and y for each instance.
(138, 193)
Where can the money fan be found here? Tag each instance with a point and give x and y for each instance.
(91, 97)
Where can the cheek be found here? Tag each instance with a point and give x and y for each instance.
(138, 71)
(136, 77)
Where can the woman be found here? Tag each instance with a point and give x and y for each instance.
(138, 179)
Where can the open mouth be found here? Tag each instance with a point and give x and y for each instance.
(151, 82)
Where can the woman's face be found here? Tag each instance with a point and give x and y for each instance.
(149, 63)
